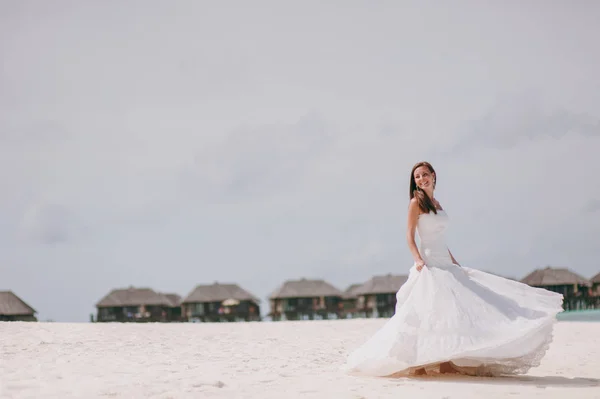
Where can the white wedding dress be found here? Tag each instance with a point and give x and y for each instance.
(481, 323)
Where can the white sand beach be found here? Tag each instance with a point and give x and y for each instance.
(256, 360)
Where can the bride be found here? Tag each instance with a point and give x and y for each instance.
(453, 319)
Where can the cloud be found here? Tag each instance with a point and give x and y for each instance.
(515, 119)
(369, 254)
(41, 132)
(592, 206)
(47, 223)
(256, 161)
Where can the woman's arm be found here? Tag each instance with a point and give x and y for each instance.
(413, 218)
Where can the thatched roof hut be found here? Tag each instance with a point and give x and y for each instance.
(174, 299)
(13, 307)
(219, 292)
(135, 297)
(386, 284)
(350, 292)
(595, 279)
(554, 276)
(304, 288)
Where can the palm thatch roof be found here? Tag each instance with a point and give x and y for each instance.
(174, 299)
(350, 291)
(554, 276)
(304, 288)
(596, 278)
(134, 297)
(387, 284)
(219, 292)
(12, 305)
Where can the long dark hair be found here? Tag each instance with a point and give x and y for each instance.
(425, 203)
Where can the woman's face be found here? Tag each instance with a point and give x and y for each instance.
(423, 177)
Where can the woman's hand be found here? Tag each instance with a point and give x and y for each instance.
(419, 264)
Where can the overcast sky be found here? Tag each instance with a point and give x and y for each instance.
(170, 144)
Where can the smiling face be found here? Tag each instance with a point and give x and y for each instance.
(424, 178)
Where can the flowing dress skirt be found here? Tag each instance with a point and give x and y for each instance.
(482, 323)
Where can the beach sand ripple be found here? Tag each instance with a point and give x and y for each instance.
(255, 360)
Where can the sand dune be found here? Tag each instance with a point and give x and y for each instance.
(255, 360)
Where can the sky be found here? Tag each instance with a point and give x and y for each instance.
(170, 144)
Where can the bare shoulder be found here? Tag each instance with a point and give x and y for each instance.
(413, 207)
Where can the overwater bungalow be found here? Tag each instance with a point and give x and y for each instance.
(175, 308)
(349, 299)
(138, 305)
(13, 308)
(306, 300)
(596, 290)
(576, 289)
(220, 303)
(377, 297)
(595, 284)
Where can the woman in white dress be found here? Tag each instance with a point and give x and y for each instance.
(454, 319)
